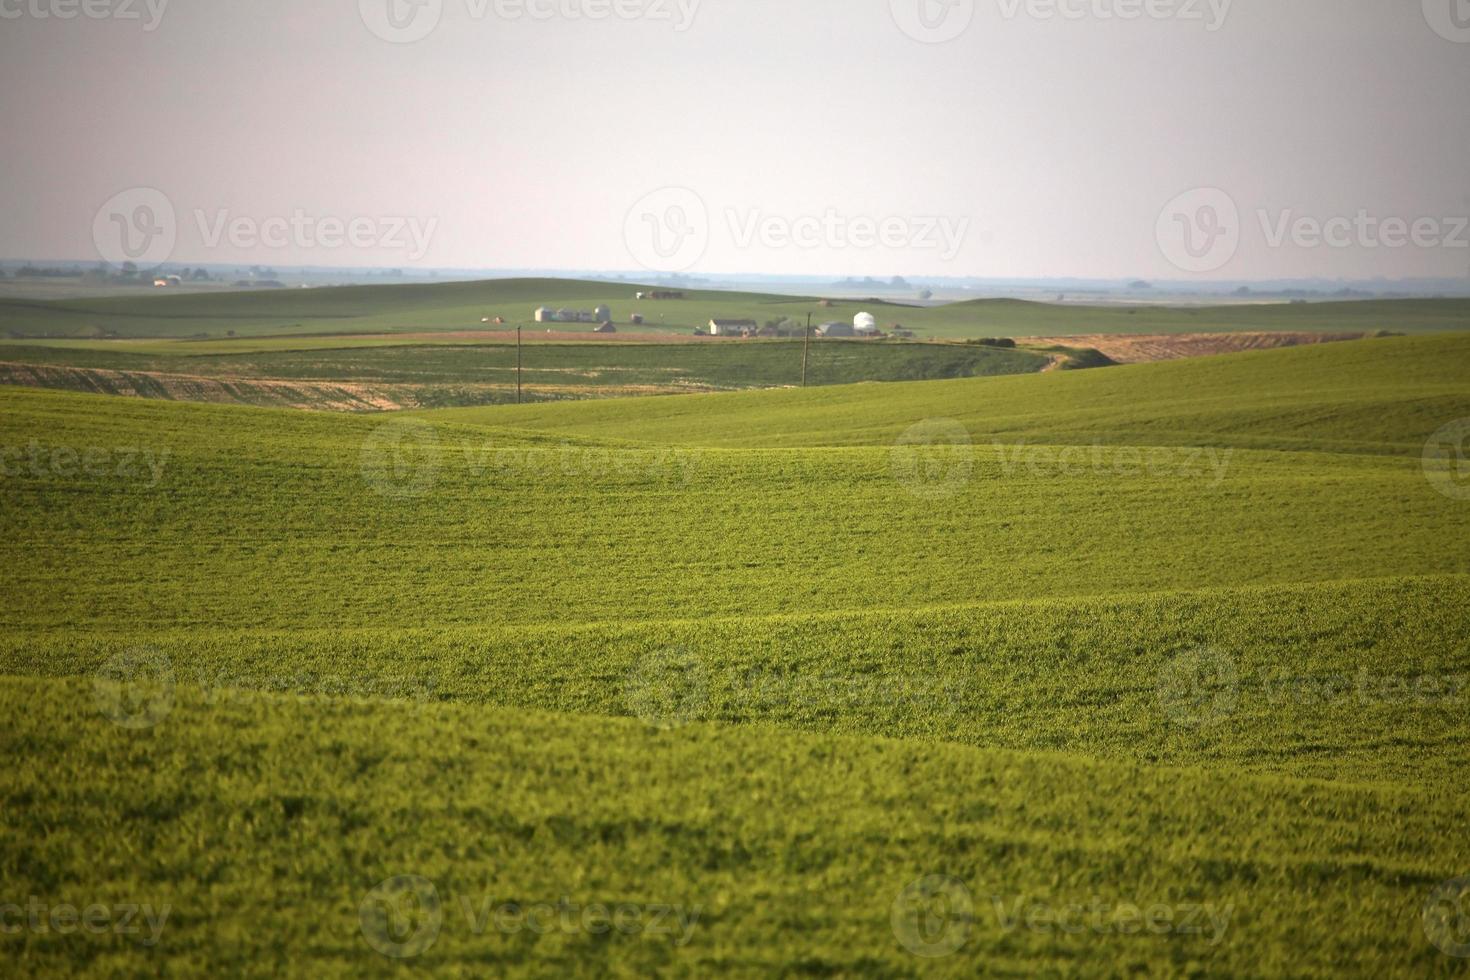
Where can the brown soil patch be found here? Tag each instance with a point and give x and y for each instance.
(1141, 348)
(321, 396)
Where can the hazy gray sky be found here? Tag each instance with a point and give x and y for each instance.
(1045, 139)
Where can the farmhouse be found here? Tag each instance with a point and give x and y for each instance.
(547, 315)
(732, 328)
(836, 329)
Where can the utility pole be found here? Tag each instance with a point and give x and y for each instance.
(806, 347)
(518, 365)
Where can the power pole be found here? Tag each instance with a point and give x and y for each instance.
(806, 347)
(518, 365)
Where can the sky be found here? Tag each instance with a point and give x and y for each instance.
(1159, 139)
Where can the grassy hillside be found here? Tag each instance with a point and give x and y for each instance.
(1384, 395)
(776, 852)
(1166, 636)
(462, 306)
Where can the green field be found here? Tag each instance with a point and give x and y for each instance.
(442, 375)
(463, 306)
(860, 680)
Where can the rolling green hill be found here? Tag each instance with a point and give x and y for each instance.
(865, 675)
(462, 306)
(1382, 395)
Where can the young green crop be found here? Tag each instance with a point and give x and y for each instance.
(1166, 636)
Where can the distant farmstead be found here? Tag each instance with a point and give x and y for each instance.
(836, 329)
(733, 328)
